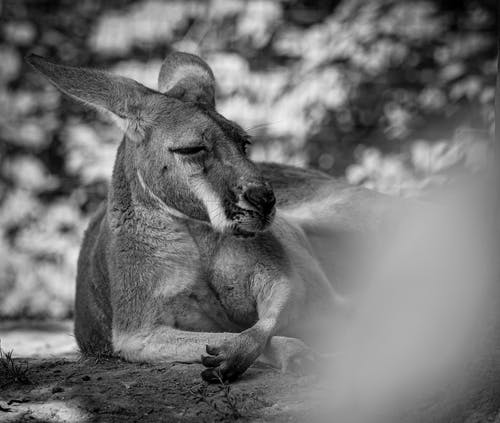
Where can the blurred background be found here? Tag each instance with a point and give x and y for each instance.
(396, 96)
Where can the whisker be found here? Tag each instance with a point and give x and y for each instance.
(263, 125)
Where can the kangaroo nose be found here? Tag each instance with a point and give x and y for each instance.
(261, 197)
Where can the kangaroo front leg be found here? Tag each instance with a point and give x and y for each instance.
(164, 343)
(276, 302)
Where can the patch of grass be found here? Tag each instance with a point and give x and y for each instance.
(230, 405)
(12, 371)
(96, 357)
(225, 402)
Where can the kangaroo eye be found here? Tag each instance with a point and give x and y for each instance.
(188, 151)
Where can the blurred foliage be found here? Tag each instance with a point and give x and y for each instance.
(393, 95)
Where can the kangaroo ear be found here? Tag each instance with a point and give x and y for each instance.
(123, 97)
(188, 78)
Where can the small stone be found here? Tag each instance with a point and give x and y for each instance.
(86, 378)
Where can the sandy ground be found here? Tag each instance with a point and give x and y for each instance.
(65, 388)
(30, 338)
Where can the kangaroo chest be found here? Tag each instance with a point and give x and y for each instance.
(215, 279)
(227, 272)
(239, 270)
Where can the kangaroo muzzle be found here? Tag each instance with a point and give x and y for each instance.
(261, 198)
(255, 207)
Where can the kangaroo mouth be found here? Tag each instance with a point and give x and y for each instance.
(241, 233)
(247, 223)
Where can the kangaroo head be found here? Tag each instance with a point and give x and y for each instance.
(185, 153)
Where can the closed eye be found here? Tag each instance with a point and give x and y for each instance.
(187, 151)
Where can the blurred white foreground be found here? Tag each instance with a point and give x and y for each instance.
(423, 315)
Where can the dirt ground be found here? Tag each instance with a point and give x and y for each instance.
(63, 387)
(70, 390)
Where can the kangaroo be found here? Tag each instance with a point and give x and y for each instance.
(200, 254)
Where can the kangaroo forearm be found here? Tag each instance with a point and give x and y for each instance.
(277, 306)
(164, 344)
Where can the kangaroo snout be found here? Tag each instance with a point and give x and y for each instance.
(261, 197)
(255, 209)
